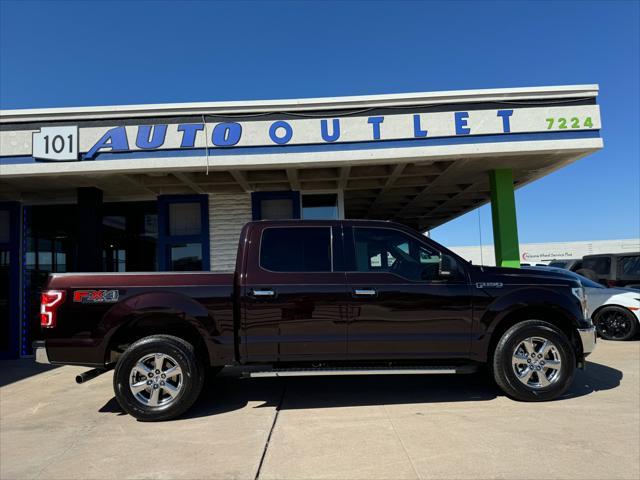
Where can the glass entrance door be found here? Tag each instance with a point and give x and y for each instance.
(9, 279)
(128, 244)
(129, 237)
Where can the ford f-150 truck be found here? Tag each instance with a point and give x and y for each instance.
(318, 298)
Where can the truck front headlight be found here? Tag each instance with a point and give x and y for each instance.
(579, 293)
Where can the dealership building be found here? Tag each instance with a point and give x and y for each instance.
(168, 187)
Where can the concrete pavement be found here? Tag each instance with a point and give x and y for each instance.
(327, 427)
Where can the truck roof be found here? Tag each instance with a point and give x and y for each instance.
(324, 222)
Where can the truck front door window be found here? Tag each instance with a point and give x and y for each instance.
(387, 250)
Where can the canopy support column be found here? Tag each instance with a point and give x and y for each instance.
(503, 213)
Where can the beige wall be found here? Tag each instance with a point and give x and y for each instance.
(545, 252)
(227, 215)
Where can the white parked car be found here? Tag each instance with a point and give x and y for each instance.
(615, 311)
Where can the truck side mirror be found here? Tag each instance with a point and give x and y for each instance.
(445, 267)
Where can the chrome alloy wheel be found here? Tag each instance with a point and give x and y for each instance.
(156, 380)
(536, 362)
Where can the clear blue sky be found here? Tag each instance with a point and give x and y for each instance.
(55, 54)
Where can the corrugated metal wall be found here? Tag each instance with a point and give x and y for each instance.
(227, 215)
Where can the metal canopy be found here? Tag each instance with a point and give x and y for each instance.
(423, 194)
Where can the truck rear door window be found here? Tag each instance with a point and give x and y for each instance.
(296, 249)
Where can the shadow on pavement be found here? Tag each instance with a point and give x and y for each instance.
(229, 392)
(593, 378)
(15, 370)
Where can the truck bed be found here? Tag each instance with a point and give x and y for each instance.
(94, 322)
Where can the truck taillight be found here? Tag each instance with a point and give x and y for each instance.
(50, 300)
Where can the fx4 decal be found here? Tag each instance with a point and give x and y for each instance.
(96, 296)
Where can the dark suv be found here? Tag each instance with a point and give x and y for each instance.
(612, 269)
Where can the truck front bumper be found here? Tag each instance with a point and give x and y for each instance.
(588, 339)
(40, 352)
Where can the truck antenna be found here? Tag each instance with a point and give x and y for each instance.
(480, 235)
(206, 141)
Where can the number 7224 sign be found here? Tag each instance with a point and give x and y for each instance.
(56, 143)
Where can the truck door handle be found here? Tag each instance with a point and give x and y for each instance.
(365, 292)
(263, 293)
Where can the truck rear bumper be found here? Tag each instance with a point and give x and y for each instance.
(588, 339)
(40, 352)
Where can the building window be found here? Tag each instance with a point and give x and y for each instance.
(185, 218)
(277, 209)
(323, 206)
(186, 257)
(275, 205)
(4, 226)
(183, 231)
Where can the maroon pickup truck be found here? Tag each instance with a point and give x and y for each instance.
(318, 298)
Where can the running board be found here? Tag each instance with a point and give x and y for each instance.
(308, 372)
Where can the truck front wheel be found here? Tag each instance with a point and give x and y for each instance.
(158, 378)
(534, 361)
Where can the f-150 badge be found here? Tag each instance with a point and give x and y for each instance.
(96, 296)
(489, 285)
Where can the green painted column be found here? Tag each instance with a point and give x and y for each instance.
(503, 213)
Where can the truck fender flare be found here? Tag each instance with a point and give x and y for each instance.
(152, 306)
(539, 299)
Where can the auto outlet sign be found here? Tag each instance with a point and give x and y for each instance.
(67, 143)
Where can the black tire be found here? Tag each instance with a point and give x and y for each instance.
(616, 323)
(172, 349)
(511, 343)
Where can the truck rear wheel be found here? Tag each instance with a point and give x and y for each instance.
(158, 378)
(534, 361)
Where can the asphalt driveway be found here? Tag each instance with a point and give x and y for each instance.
(327, 427)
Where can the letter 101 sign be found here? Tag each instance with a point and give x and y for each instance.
(56, 143)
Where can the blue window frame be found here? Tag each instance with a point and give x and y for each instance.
(183, 233)
(259, 203)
